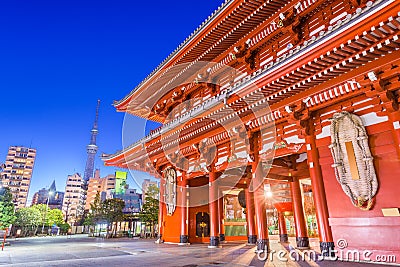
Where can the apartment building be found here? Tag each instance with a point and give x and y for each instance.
(17, 173)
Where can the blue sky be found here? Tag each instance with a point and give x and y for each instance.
(58, 57)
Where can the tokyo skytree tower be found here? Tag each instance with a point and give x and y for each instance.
(92, 148)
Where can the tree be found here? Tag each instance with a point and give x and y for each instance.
(54, 217)
(112, 212)
(48, 217)
(64, 227)
(95, 214)
(88, 221)
(80, 219)
(149, 213)
(28, 219)
(7, 216)
(43, 210)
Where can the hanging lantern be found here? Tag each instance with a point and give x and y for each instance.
(242, 199)
(282, 197)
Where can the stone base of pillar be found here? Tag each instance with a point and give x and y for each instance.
(221, 237)
(302, 243)
(214, 242)
(184, 239)
(283, 238)
(159, 239)
(263, 245)
(327, 249)
(252, 239)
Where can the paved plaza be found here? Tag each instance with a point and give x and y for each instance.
(84, 251)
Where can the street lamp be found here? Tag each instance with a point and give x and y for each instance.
(47, 206)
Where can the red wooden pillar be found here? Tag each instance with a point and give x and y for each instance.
(259, 207)
(259, 198)
(184, 237)
(325, 233)
(221, 217)
(283, 236)
(300, 222)
(394, 118)
(213, 207)
(251, 229)
(161, 207)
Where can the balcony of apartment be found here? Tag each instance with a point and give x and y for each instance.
(19, 160)
(18, 166)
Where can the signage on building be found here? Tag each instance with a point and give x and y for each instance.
(120, 182)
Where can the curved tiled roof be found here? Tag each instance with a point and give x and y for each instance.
(283, 60)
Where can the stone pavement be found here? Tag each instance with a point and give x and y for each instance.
(84, 251)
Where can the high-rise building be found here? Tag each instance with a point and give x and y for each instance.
(40, 197)
(132, 200)
(145, 185)
(17, 173)
(92, 148)
(113, 186)
(35, 198)
(50, 196)
(73, 204)
(56, 200)
(98, 185)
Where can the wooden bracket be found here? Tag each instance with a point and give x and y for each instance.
(380, 86)
(208, 153)
(293, 24)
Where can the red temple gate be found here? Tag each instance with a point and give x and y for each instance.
(248, 99)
